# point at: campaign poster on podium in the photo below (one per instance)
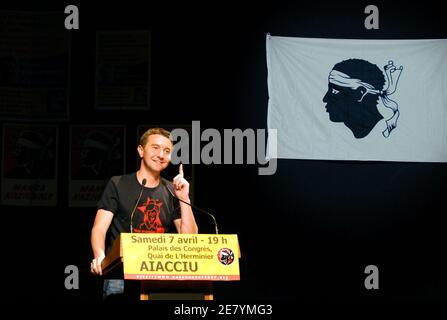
(153, 256)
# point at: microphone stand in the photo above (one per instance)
(136, 204)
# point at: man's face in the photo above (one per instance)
(156, 153)
(338, 100)
(89, 157)
(26, 152)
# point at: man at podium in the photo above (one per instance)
(141, 202)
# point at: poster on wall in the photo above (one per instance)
(29, 165)
(122, 80)
(34, 66)
(97, 152)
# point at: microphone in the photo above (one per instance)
(192, 206)
(136, 204)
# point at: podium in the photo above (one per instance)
(173, 266)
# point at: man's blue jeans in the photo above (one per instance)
(112, 287)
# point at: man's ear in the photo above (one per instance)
(360, 93)
(140, 150)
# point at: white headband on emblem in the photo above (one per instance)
(343, 80)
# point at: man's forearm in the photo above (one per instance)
(189, 224)
(98, 243)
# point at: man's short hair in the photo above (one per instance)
(160, 131)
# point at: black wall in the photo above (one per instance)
(306, 232)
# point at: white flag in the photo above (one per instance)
(343, 99)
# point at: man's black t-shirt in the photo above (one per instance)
(155, 212)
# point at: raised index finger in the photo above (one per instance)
(180, 169)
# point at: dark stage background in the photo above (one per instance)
(307, 232)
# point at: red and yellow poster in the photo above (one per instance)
(208, 257)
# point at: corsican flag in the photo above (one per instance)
(342, 99)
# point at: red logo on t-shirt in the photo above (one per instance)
(151, 217)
